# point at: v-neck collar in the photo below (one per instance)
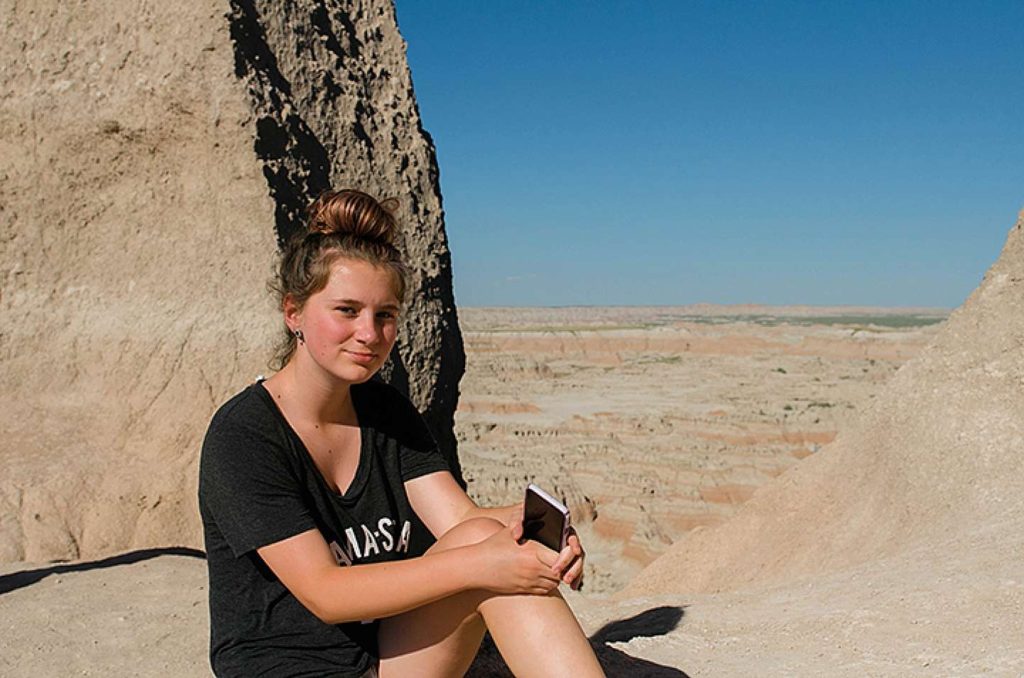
(355, 488)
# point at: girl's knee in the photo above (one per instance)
(468, 532)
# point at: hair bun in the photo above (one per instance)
(354, 213)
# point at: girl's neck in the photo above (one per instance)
(311, 397)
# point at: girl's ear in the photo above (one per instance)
(292, 313)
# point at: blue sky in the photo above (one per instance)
(607, 153)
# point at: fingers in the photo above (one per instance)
(544, 590)
(545, 555)
(573, 551)
(550, 582)
(565, 557)
(519, 568)
(548, 577)
(571, 560)
(574, 575)
(541, 561)
(565, 566)
(575, 545)
(543, 579)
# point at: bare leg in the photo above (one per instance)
(537, 635)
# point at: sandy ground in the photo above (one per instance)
(691, 412)
(112, 617)
(148, 618)
(913, 615)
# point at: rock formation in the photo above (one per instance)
(153, 156)
(932, 472)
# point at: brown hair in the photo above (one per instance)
(342, 224)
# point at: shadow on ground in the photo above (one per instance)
(654, 622)
(17, 580)
(650, 623)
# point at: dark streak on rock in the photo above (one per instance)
(295, 163)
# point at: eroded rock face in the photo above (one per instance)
(152, 157)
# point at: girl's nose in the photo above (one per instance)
(366, 328)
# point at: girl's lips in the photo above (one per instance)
(364, 358)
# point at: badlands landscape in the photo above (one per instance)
(650, 422)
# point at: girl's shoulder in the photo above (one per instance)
(247, 439)
(250, 405)
(249, 418)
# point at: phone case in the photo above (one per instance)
(545, 519)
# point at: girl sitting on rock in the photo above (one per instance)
(309, 481)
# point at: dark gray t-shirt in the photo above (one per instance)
(258, 485)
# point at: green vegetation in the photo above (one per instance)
(670, 359)
(864, 323)
(656, 360)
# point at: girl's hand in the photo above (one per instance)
(569, 565)
(503, 565)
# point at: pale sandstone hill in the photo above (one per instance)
(150, 157)
(935, 468)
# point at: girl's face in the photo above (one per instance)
(351, 324)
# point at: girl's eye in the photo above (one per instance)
(387, 315)
(347, 310)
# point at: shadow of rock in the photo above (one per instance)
(17, 580)
(654, 622)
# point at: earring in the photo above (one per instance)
(298, 335)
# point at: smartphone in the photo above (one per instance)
(545, 519)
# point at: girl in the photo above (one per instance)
(309, 481)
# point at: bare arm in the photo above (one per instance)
(336, 594)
